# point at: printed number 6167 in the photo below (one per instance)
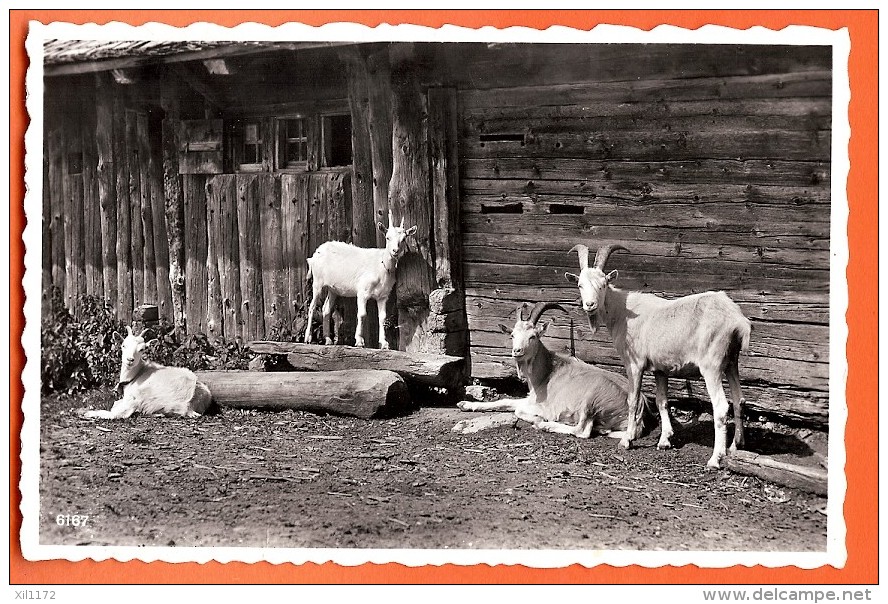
(71, 520)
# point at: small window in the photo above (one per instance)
(336, 137)
(247, 138)
(292, 148)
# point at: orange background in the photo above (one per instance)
(861, 515)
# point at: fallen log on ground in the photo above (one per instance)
(424, 369)
(361, 393)
(813, 480)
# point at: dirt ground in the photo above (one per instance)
(293, 479)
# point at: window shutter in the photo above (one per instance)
(200, 146)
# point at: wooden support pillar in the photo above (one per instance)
(121, 186)
(107, 185)
(409, 197)
(173, 200)
(380, 128)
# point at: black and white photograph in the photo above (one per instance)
(437, 296)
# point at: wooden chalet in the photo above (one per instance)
(199, 177)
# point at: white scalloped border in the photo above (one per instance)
(836, 552)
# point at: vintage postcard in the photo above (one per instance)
(422, 295)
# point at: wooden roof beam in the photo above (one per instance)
(235, 49)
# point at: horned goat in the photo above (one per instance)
(153, 388)
(567, 396)
(700, 334)
(342, 269)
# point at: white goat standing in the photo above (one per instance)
(153, 388)
(343, 269)
(701, 334)
(567, 396)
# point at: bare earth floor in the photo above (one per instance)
(292, 479)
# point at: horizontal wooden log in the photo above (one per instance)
(424, 369)
(361, 393)
(813, 480)
(660, 146)
(478, 65)
(702, 172)
(494, 119)
(742, 197)
(663, 241)
(699, 276)
(483, 246)
(717, 219)
(811, 84)
(647, 117)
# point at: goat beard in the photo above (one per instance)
(593, 321)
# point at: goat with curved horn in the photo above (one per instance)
(567, 396)
(540, 307)
(604, 253)
(583, 253)
(692, 336)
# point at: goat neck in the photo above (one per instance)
(128, 374)
(389, 262)
(613, 312)
(536, 368)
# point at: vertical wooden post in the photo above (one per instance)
(137, 248)
(74, 243)
(92, 229)
(173, 199)
(380, 128)
(363, 215)
(448, 323)
(409, 196)
(195, 198)
(158, 214)
(250, 235)
(273, 286)
(54, 150)
(107, 186)
(149, 256)
(294, 222)
(229, 267)
(215, 317)
(124, 233)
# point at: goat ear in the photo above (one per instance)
(504, 329)
(151, 342)
(541, 329)
(612, 276)
(381, 228)
(118, 339)
(411, 230)
(571, 277)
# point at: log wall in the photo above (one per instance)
(715, 176)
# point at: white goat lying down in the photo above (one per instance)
(701, 334)
(343, 269)
(152, 388)
(567, 396)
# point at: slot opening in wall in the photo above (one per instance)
(503, 137)
(506, 208)
(565, 208)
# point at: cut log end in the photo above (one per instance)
(812, 480)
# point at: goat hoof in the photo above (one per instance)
(662, 445)
(328, 342)
(713, 463)
(625, 443)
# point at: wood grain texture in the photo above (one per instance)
(363, 393)
(415, 367)
(813, 480)
(250, 250)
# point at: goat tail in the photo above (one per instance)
(742, 333)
